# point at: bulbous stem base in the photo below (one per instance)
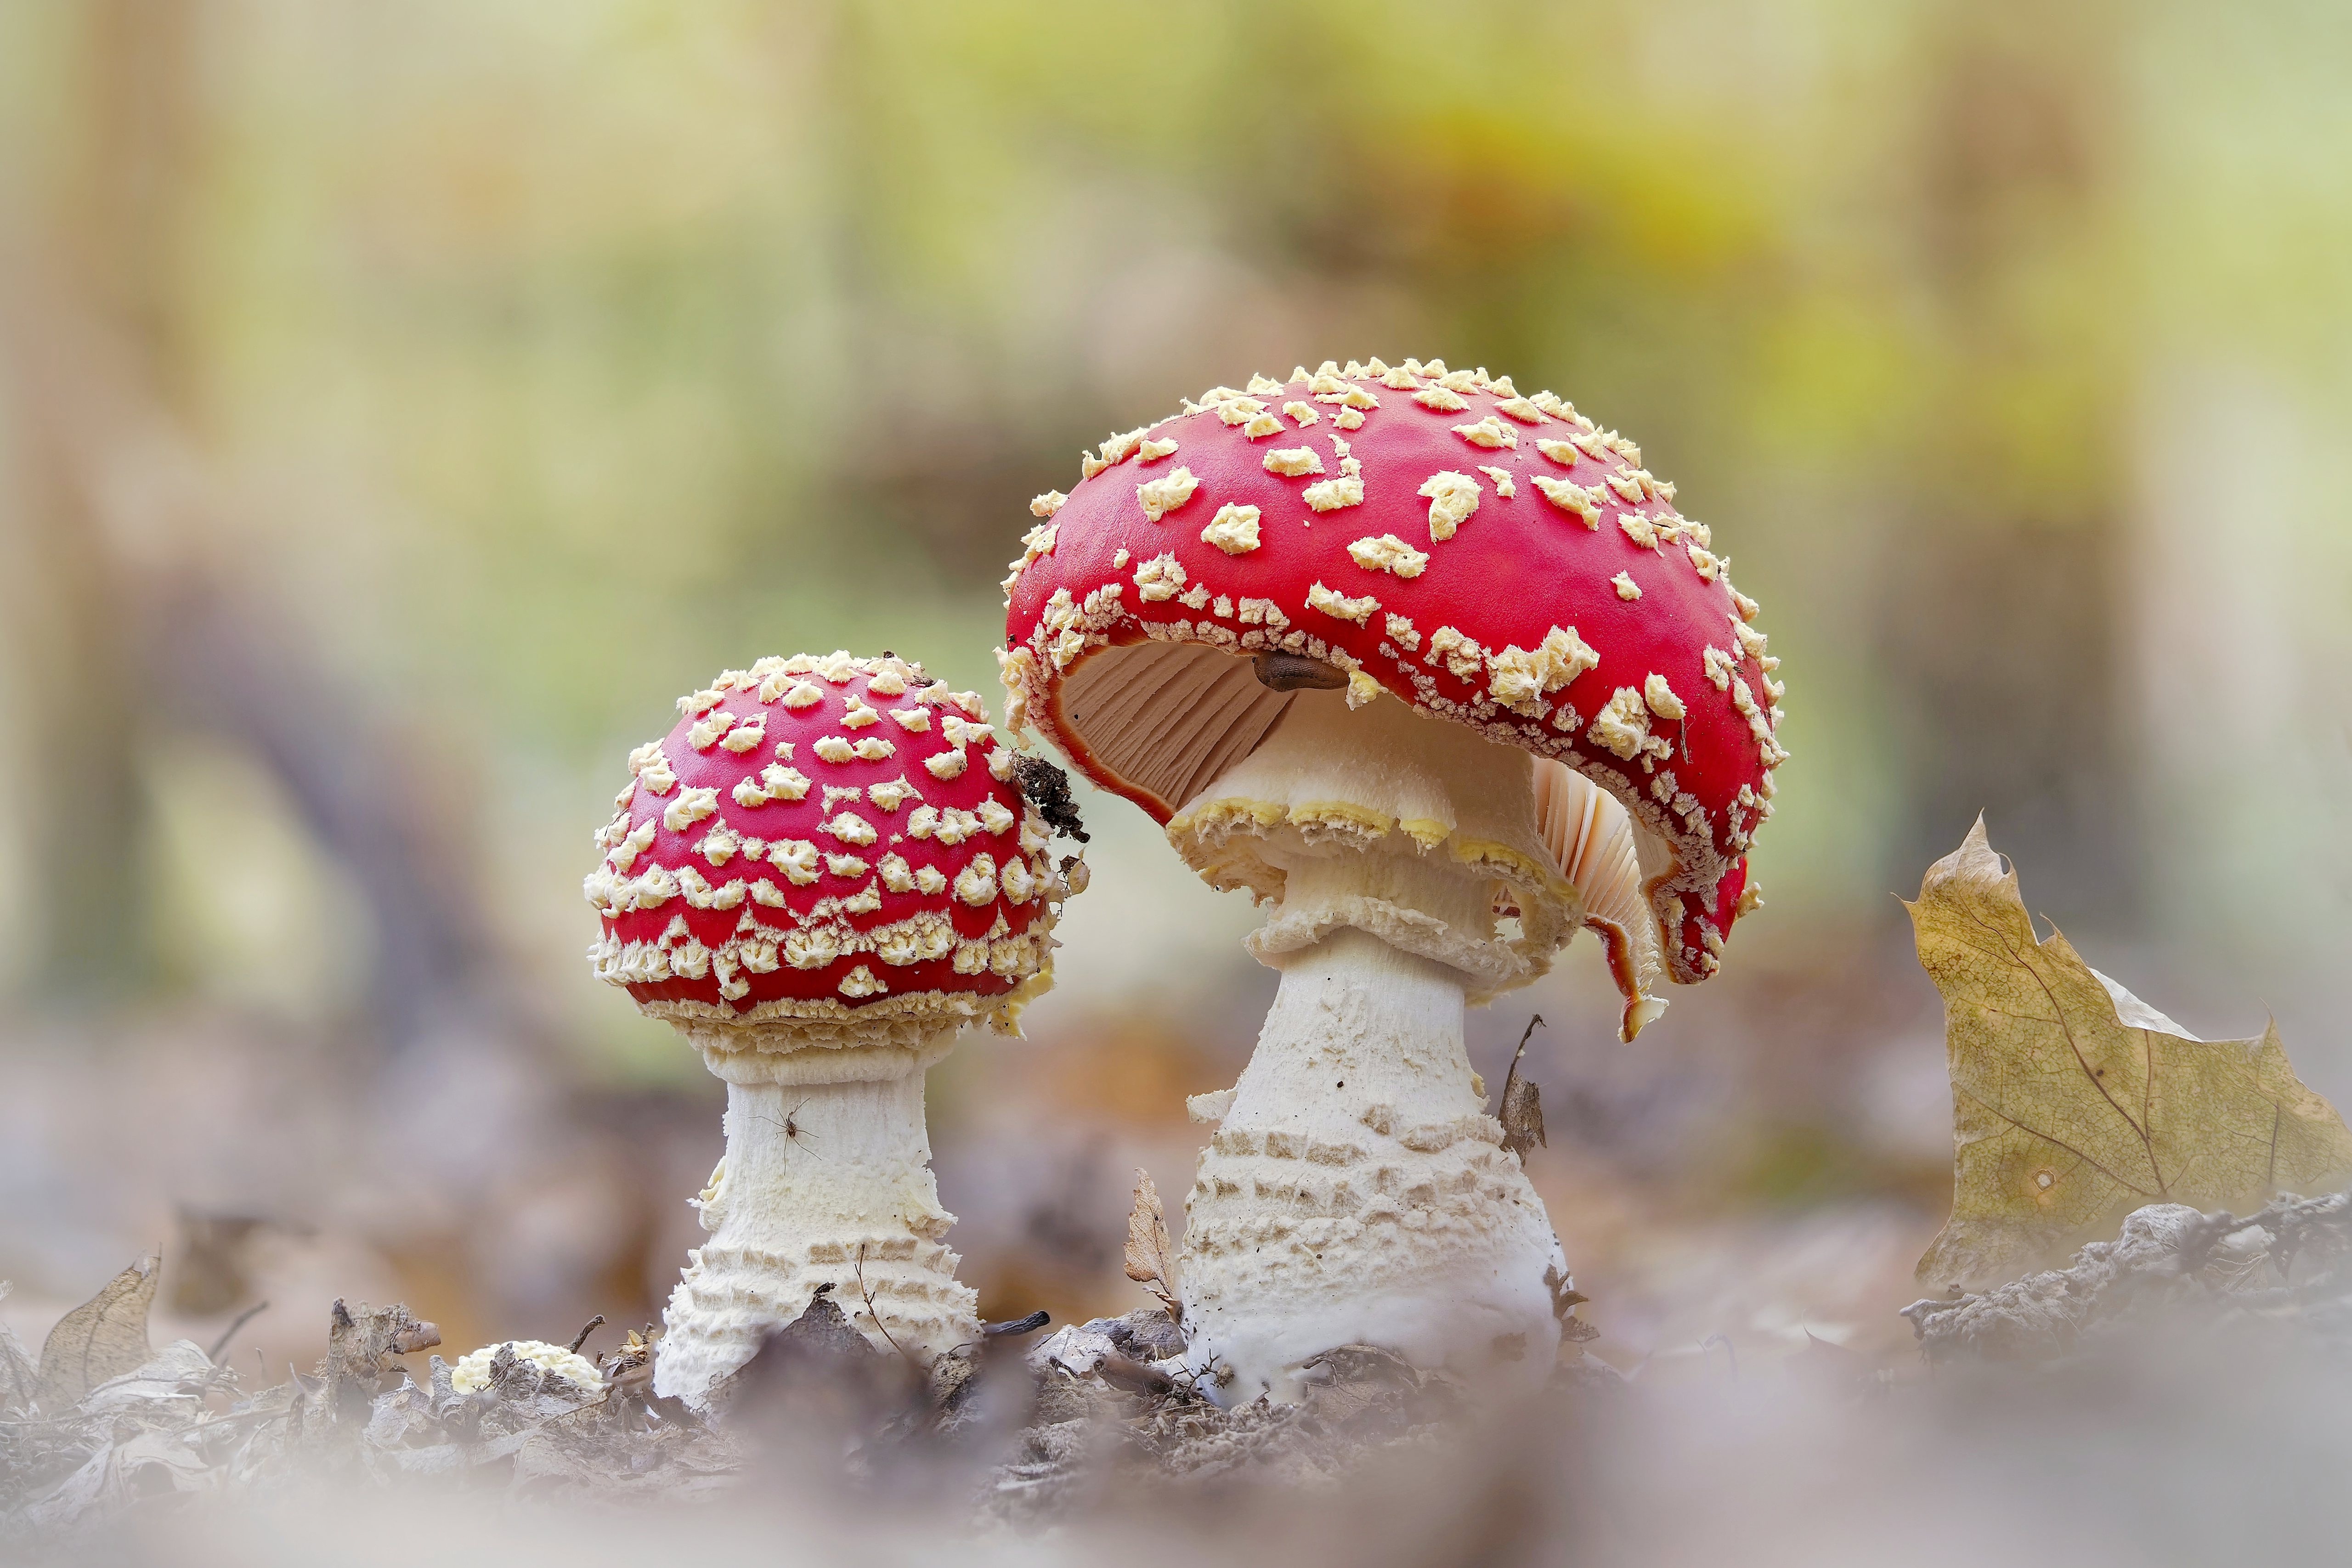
(1357, 1192)
(826, 1181)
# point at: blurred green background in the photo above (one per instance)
(403, 403)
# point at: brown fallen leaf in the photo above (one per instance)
(1150, 1258)
(629, 1374)
(104, 1337)
(2074, 1103)
(364, 1348)
(1522, 1109)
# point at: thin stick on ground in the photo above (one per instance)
(1014, 1327)
(866, 1295)
(229, 1333)
(591, 1326)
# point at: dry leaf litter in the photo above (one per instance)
(1100, 1419)
(103, 1422)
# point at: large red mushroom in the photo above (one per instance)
(1437, 671)
(818, 876)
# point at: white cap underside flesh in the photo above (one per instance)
(1168, 718)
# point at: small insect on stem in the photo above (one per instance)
(790, 1128)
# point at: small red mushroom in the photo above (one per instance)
(1580, 731)
(818, 876)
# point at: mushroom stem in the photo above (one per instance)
(1357, 1192)
(826, 1154)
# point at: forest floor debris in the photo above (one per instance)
(1090, 1422)
(2285, 1269)
(104, 1424)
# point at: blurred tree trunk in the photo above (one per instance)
(2006, 590)
(132, 618)
(117, 222)
(84, 835)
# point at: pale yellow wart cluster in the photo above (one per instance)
(774, 932)
(472, 1371)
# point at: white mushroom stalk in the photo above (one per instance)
(1357, 1191)
(826, 1181)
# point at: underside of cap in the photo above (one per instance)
(1163, 719)
(1599, 850)
(1388, 822)
(1169, 724)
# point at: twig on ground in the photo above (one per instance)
(858, 1271)
(1133, 1375)
(229, 1333)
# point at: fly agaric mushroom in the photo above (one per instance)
(821, 874)
(1436, 670)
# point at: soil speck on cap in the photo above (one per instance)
(1047, 788)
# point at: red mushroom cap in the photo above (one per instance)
(1486, 558)
(822, 837)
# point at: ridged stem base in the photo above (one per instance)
(1358, 1193)
(826, 1181)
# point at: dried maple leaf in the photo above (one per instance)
(104, 1337)
(2074, 1103)
(1150, 1259)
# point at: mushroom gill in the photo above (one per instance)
(1168, 717)
(1598, 845)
